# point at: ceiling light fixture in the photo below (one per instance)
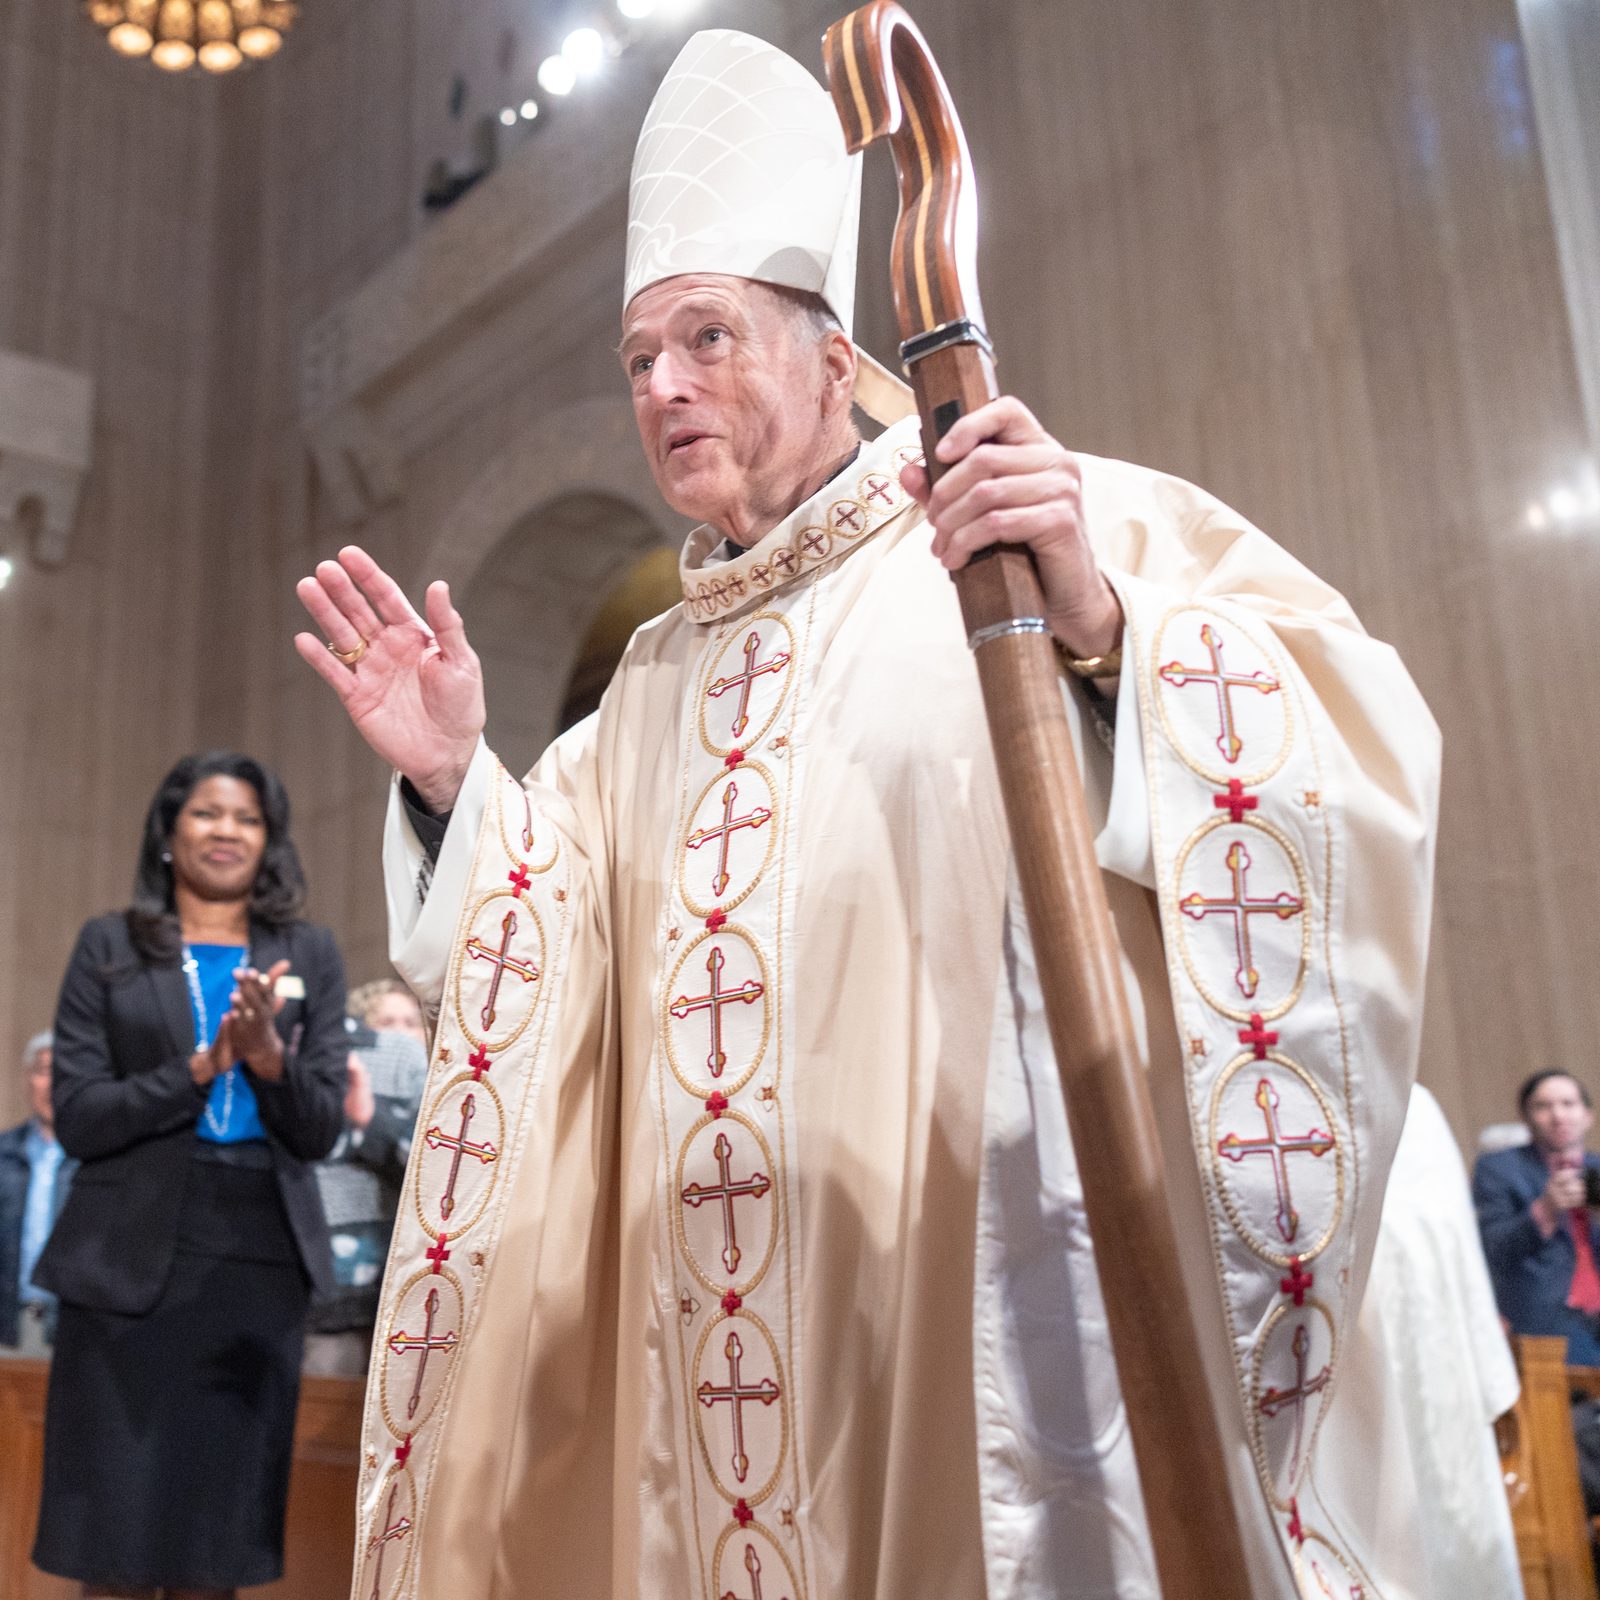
(216, 35)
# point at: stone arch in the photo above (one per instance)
(532, 550)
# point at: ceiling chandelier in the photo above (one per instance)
(217, 35)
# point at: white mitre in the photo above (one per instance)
(741, 168)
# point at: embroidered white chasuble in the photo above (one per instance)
(743, 1254)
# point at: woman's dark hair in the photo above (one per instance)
(280, 887)
(1525, 1093)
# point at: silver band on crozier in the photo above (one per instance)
(1003, 630)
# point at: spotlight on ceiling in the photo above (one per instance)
(556, 75)
(583, 50)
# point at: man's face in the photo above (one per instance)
(1556, 1115)
(39, 1086)
(727, 393)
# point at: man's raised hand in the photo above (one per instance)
(412, 686)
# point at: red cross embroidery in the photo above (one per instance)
(1224, 683)
(402, 1451)
(713, 1001)
(1278, 1149)
(1258, 1036)
(877, 487)
(727, 1191)
(1276, 1400)
(848, 515)
(735, 1394)
(520, 879)
(437, 1139)
(1296, 1532)
(426, 1342)
(1299, 1281)
(752, 1565)
(394, 1529)
(1235, 802)
(757, 817)
(479, 1062)
(503, 962)
(436, 1252)
(814, 543)
(1241, 908)
(760, 575)
(786, 561)
(745, 681)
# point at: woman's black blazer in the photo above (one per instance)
(127, 1108)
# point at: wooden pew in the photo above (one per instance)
(320, 1537)
(1539, 1460)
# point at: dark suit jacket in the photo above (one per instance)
(15, 1174)
(127, 1108)
(1532, 1275)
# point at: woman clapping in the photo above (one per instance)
(199, 1072)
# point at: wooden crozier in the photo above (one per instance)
(885, 83)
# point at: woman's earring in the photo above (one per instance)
(166, 855)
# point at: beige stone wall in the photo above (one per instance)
(106, 187)
(1301, 255)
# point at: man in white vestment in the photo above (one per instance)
(742, 1252)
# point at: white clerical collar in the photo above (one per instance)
(841, 516)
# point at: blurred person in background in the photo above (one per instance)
(1537, 1209)
(386, 1005)
(199, 1072)
(35, 1174)
(361, 1179)
(1537, 1225)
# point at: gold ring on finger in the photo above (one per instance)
(348, 657)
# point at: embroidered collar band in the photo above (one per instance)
(842, 515)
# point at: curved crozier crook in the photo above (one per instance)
(885, 83)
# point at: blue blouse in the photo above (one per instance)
(231, 1115)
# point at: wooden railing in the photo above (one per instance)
(1539, 1460)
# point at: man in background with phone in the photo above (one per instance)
(1536, 1208)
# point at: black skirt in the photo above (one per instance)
(168, 1436)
